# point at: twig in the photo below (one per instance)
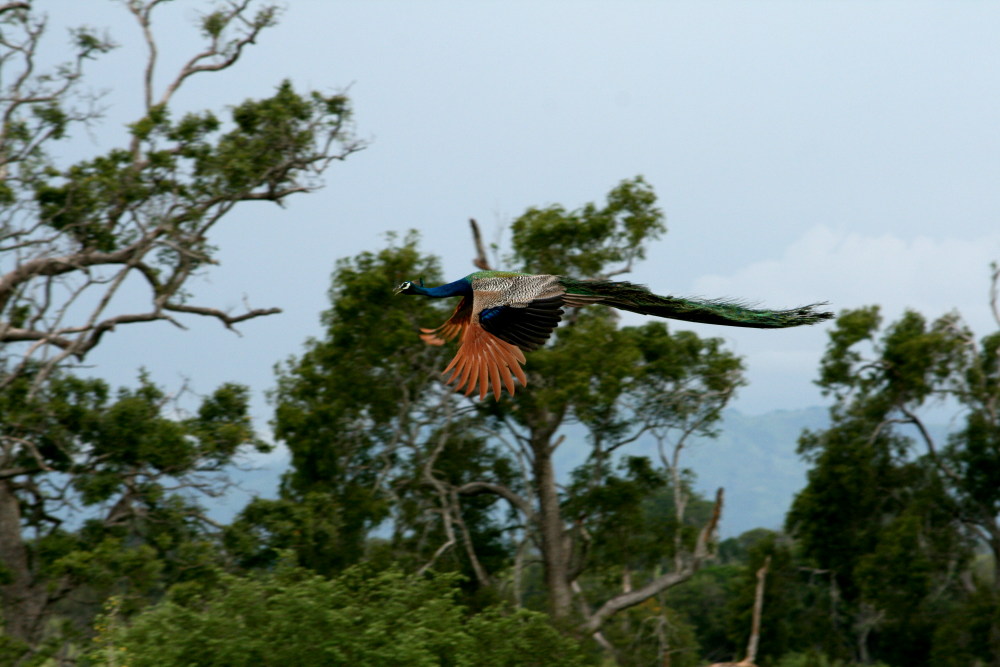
(480, 260)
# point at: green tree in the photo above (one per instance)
(74, 238)
(370, 423)
(892, 513)
(620, 384)
(359, 618)
(374, 438)
(141, 215)
(129, 466)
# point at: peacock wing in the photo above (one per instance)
(526, 325)
(485, 361)
(452, 327)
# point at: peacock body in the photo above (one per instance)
(503, 313)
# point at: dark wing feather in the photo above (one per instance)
(527, 326)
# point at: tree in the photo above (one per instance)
(129, 467)
(73, 239)
(74, 236)
(620, 384)
(367, 419)
(894, 514)
(362, 414)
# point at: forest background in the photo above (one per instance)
(112, 199)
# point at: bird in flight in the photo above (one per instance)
(503, 313)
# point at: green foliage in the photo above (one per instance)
(360, 411)
(653, 633)
(99, 489)
(292, 617)
(968, 631)
(372, 428)
(887, 510)
(121, 459)
(818, 659)
(701, 604)
(197, 160)
(632, 515)
(585, 241)
(339, 400)
(309, 527)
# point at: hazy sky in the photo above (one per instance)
(802, 151)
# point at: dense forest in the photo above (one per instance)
(416, 525)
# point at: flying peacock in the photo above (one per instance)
(503, 313)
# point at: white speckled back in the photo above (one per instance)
(513, 290)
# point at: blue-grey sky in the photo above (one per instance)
(802, 151)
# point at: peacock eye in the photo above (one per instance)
(406, 285)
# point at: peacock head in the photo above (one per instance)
(408, 287)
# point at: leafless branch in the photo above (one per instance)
(225, 318)
(913, 418)
(444, 494)
(14, 5)
(585, 612)
(9, 473)
(447, 544)
(482, 577)
(995, 291)
(480, 260)
(516, 501)
(690, 565)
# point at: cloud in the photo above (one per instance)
(931, 275)
(849, 269)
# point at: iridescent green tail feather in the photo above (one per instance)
(637, 299)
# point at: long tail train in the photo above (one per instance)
(638, 299)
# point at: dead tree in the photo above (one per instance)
(758, 606)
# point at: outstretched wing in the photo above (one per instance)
(526, 325)
(452, 327)
(492, 343)
(486, 361)
(496, 324)
(482, 359)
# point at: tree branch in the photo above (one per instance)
(479, 488)
(226, 319)
(912, 418)
(14, 5)
(995, 291)
(691, 565)
(480, 260)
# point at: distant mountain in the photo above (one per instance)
(753, 458)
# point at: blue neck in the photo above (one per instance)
(460, 287)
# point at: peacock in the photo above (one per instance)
(502, 314)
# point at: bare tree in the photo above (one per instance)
(758, 606)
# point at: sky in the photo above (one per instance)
(846, 152)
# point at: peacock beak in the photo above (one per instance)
(398, 289)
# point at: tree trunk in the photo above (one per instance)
(555, 551)
(23, 602)
(994, 638)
